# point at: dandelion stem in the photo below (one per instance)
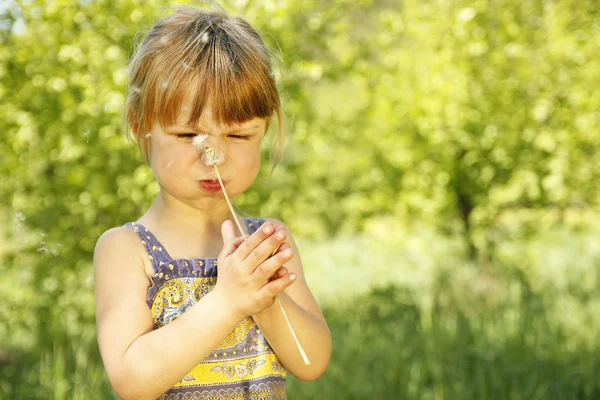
(300, 349)
(212, 155)
(237, 221)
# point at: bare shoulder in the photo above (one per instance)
(119, 240)
(121, 286)
(118, 265)
(118, 244)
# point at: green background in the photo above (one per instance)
(441, 177)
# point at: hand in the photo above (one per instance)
(251, 271)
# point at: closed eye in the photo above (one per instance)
(192, 135)
(186, 135)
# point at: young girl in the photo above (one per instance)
(185, 304)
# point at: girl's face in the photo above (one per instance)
(178, 165)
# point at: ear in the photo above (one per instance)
(134, 130)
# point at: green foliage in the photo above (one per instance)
(452, 114)
(431, 325)
(467, 123)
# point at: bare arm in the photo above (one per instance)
(143, 363)
(306, 318)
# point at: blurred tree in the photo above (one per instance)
(453, 114)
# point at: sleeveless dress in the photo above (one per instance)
(243, 366)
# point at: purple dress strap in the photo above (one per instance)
(156, 251)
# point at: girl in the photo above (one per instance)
(167, 327)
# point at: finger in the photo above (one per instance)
(276, 286)
(227, 231)
(255, 239)
(280, 273)
(230, 247)
(265, 249)
(230, 241)
(268, 268)
(282, 247)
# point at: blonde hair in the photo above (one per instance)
(223, 57)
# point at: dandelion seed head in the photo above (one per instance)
(211, 158)
(219, 160)
(199, 140)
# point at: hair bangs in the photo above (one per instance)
(239, 85)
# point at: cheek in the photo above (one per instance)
(249, 156)
(172, 159)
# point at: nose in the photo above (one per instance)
(211, 158)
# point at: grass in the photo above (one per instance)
(410, 321)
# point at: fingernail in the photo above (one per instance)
(280, 235)
(292, 277)
(287, 252)
(268, 229)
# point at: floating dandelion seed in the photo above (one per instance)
(86, 135)
(45, 247)
(147, 135)
(199, 142)
(185, 65)
(164, 85)
(42, 247)
(204, 38)
(19, 218)
(164, 40)
(185, 108)
(136, 89)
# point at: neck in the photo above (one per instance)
(170, 214)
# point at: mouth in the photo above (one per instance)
(211, 185)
